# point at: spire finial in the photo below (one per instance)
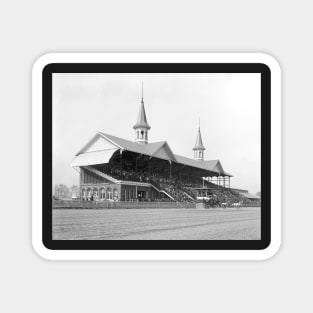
(141, 91)
(199, 122)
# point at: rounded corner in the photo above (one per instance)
(270, 61)
(271, 250)
(41, 63)
(42, 250)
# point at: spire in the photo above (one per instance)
(199, 145)
(142, 119)
(141, 127)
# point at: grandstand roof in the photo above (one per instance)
(156, 149)
(92, 152)
(192, 162)
(250, 195)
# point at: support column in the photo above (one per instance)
(80, 183)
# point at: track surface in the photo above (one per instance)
(155, 224)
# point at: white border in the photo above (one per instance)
(155, 58)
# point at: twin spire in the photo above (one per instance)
(142, 127)
(199, 147)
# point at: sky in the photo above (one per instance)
(228, 105)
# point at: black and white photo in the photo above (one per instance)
(156, 156)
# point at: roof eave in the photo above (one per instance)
(198, 148)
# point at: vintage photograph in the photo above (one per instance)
(156, 156)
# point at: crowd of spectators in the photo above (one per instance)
(173, 185)
(224, 195)
(170, 185)
(122, 174)
(176, 191)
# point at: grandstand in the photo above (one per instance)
(115, 169)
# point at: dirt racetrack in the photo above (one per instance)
(155, 224)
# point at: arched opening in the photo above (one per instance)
(102, 194)
(115, 194)
(88, 194)
(95, 194)
(109, 193)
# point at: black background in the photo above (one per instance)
(156, 68)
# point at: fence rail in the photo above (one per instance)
(79, 204)
(63, 204)
(251, 205)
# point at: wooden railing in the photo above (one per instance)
(78, 204)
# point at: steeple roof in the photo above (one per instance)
(199, 144)
(142, 119)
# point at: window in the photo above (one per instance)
(102, 194)
(89, 193)
(115, 194)
(109, 194)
